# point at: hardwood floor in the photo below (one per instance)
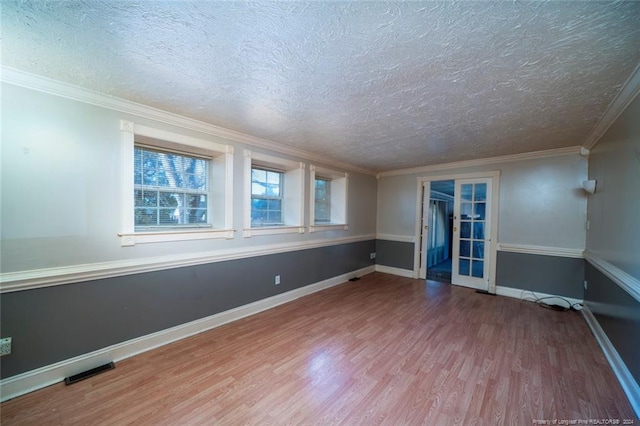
(382, 350)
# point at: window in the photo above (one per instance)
(329, 199)
(170, 189)
(322, 196)
(274, 194)
(174, 187)
(266, 197)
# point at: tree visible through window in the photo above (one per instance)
(170, 189)
(322, 205)
(266, 197)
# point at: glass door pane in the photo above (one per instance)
(472, 217)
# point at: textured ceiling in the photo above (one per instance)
(381, 85)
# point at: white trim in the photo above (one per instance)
(161, 236)
(338, 204)
(617, 311)
(272, 230)
(624, 376)
(76, 93)
(630, 284)
(221, 156)
(36, 379)
(487, 281)
(628, 93)
(494, 175)
(495, 213)
(407, 273)
(541, 250)
(418, 236)
(229, 187)
(454, 176)
(27, 280)
(293, 200)
(422, 229)
(530, 296)
(175, 138)
(127, 216)
(393, 237)
(572, 150)
(329, 227)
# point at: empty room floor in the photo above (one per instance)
(381, 350)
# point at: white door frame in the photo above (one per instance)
(426, 231)
(495, 189)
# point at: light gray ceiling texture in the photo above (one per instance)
(381, 85)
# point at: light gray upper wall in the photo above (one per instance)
(541, 201)
(60, 182)
(614, 210)
(397, 205)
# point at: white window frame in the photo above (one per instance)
(280, 197)
(293, 190)
(326, 201)
(220, 185)
(339, 199)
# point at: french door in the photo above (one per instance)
(472, 233)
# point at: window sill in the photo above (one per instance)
(328, 227)
(161, 236)
(272, 230)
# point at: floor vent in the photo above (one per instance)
(89, 373)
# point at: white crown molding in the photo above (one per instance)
(628, 93)
(46, 85)
(630, 284)
(407, 273)
(27, 280)
(36, 379)
(624, 376)
(399, 238)
(541, 250)
(571, 150)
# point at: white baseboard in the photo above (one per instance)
(517, 293)
(407, 273)
(628, 383)
(21, 384)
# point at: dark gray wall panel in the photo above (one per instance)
(618, 313)
(396, 254)
(562, 276)
(56, 323)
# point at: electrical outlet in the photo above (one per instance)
(277, 279)
(5, 346)
(372, 256)
(585, 284)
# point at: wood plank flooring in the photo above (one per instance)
(382, 350)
